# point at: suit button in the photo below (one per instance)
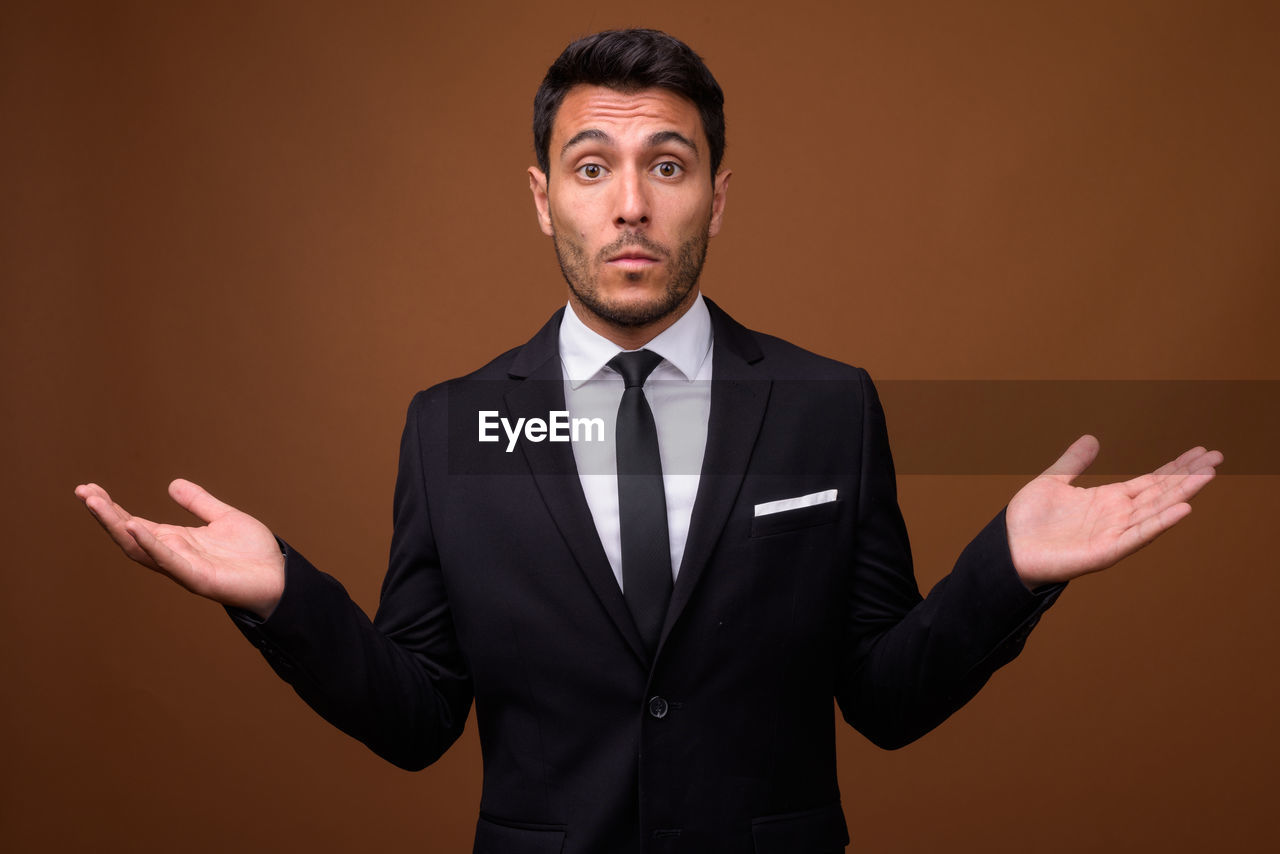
(658, 707)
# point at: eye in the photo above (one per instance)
(668, 169)
(591, 171)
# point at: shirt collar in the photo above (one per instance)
(685, 344)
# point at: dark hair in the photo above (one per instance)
(630, 60)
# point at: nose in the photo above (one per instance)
(632, 200)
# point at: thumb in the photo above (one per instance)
(1074, 460)
(197, 501)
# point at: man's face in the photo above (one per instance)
(630, 204)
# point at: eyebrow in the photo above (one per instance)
(654, 140)
(665, 136)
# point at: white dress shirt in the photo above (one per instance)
(679, 393)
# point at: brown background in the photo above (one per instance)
(237, 236)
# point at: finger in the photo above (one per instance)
(1210, 460)
(197, 501)
(1168, 501)
(163, 558)
(1181, 463)
(1074, 460)
(108, 514)
(1193, 474)
(1151, 527)
(1169, 476)
(1160, 478)
(112, 517)
(95, 496)
(1193, 483)
(1190, 461)
(115, 524)
(87, 491)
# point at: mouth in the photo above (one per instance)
(633, 259)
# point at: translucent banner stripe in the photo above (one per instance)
(936, 427)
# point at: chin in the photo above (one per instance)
(641, 311)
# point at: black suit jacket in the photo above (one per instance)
(499, 590)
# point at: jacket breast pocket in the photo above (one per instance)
(816, 831)
(497, 837)
(791, 520)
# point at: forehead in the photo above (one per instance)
(623, 114)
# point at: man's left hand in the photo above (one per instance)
(1058, 531)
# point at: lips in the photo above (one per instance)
(633, 250)
(633, 256)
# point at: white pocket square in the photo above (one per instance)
(824, 497)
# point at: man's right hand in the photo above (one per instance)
(233, 559)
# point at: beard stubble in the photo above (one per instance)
(582, 277)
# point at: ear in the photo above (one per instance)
(720, 188)
(538, 186)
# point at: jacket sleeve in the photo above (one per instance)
(397, 683)
(908, 662)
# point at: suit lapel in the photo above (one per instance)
(540, 390)
(739, 395)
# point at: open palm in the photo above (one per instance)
(1058, 531)
(232, 559)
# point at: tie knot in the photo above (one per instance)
(635, 366)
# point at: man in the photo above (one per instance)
(652, 636)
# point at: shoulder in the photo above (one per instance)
(539, 357)
(486, 382)
(806, 383)
(776, 357)
(805, 364)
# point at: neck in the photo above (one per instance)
(630, 337)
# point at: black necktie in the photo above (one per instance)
(642, 504)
